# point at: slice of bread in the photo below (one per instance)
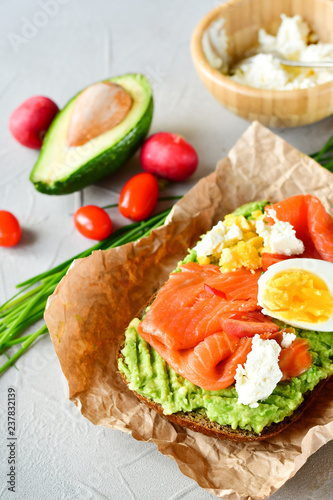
(196, 421)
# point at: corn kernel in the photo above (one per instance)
(203, 260)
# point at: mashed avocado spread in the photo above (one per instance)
(148, 374)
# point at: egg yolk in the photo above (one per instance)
(298, 295)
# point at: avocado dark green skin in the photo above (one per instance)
(104, 164)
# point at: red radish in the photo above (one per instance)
(31, 120)
(10, 229)
(168, 156)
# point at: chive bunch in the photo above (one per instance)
(27, 307)
(325, 155)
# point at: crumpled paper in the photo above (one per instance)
(93, 304)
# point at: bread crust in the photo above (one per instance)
(199, 423)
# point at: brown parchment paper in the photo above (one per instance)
(95, 301)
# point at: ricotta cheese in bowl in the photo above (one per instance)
(294, 41)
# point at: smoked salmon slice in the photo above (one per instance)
(293, 360)
(184, 312)
(183, 323)
(320, 225)
(247, 324)
(296, 359)
(268, 259)
(212, 364)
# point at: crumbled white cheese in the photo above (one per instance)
(212, 242)
(261, 372)
(287, 339)
(292, 36)
(279, 238)
(292, 41)
(262, 71)
(266, 40)
(319, 52)
(234, 233)
(215, 46)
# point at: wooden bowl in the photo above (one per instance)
(243, 19)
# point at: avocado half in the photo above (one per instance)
(61, 169)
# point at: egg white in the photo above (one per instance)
(320, 268)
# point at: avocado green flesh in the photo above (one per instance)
(247, 209)
(61, 169)
(148, 374)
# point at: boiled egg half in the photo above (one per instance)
(299, 292)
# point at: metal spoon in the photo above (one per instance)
(286, 62)
(301, 64)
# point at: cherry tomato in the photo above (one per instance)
(30, 121)
(168, 156)
(10, 229)
(93, 222)
(138, 197)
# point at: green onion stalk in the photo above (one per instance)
(325, 155)
(27, 306)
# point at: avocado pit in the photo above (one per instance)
(98, 109)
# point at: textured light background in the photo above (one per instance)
(55, 48)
